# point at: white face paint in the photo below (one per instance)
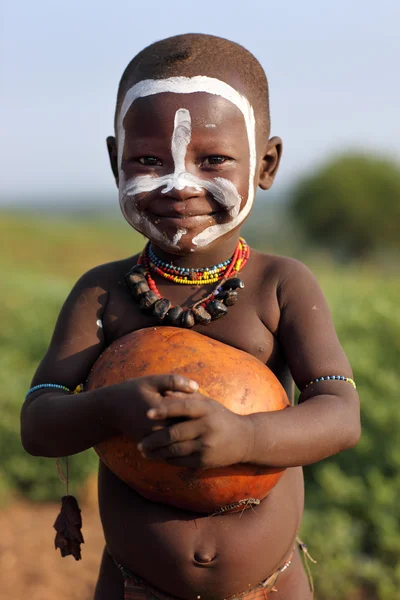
(223, 190)
(179, 233)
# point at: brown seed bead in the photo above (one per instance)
(201, 315)
(147, 300)
(233, 283)
(174, 316)
(187, 319)
(161, 307)
(138, 269)
(216, 309)
(139, 289)
(134, 278)
(228, 297)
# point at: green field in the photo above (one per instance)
(352, 521)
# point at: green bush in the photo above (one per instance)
(351, 205)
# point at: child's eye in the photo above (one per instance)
(216, 159)
(149, 161)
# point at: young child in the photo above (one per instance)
(191, 146)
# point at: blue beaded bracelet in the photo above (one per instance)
(330, 377)
(41, 386)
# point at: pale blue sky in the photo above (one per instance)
(333, 68)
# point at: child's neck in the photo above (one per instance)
(218, 252)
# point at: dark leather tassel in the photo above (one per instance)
(68, 526)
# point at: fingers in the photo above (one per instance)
(180, 432)
(190, 407)
(175, 453)
(177, 383)
(159, 425)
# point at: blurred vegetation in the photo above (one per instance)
(352, 519)
(351, 206)
(351, 523)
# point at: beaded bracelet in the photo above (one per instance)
(330, 377)
(41, 386)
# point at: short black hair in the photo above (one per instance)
(194, 54)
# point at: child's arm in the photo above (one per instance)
(325, 422)
(327, 418)
(55, 423)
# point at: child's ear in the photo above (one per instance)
(113, 154)
(270, 163)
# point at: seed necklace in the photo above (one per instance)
(214, 306)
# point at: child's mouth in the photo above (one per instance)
(186, 220)
(183, 214)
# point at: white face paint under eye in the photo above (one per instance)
(223, 190)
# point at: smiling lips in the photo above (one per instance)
(181, 210)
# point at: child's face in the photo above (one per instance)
(186, 164)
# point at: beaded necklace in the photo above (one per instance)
(185, 275)
(212, 307)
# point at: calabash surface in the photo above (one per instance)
(239, 381)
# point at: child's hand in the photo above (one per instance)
(133, 398)
(209, 436)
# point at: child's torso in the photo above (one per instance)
(166, 546)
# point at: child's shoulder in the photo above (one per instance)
(281, 270)
(106, 275)
(95, 287)
(286, 283)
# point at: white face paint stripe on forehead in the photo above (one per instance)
(189, 85)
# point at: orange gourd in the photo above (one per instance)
(238, 380)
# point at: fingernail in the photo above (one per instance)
(151, 413)
(193, 385)
(140, 447)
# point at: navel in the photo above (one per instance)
(204, 557)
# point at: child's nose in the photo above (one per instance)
(184, 193)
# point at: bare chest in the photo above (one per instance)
(249, 325)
